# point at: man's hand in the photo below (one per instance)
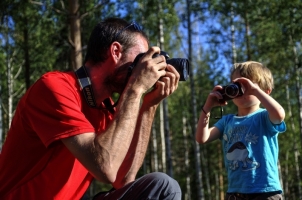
(164, 87)
(148, 70)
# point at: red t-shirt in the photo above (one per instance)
(34, 163)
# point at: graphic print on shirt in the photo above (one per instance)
(237, 151)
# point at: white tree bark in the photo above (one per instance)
(75, 34)
(197, 153)
(187, 195)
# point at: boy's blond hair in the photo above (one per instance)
(256, 72)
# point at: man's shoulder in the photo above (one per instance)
(53, 84)
(58, 75)
(56, 80)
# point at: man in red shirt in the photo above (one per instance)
(65, 131)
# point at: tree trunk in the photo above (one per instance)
(154, 158)
(9, 81)
(247, 35)
(75, 34)
(162, 139)
(167, 139)
(199, 186)
(299, 96)
(298, 86)
(10, 92)
(206, 172)
(26, 52)
(295, 145)
(286, 174)
(165, 130)
(217, 192)
(165, 106)
(187, 193)
(220, 167)
(234, 56)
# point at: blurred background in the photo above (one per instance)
(41, 36)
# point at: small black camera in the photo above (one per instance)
(231, 91)
(180, 64)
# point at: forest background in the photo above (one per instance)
(41, 36)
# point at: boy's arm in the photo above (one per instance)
(204, 134)
(275, 110)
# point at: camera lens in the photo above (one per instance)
(182, 67)
(180, 64)
(232, 90)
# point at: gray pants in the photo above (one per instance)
(153, 186)
(255, 196)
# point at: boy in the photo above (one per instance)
(249, 138)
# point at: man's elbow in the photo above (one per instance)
(110, 176)
(106, 175)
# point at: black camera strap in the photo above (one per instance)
(87, 91)
(85, 84)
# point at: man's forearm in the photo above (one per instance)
(137, 151)
(113, 144)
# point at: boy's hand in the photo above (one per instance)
(214, 97)
(248, 86)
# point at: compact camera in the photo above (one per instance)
(231, 91)
(180, 64)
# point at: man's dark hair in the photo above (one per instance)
(106, 32)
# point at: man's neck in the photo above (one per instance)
(97, 75)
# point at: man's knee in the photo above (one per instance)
(163, 178)
(155, 186)
(164, 183)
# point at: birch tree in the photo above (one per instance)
(199, 184)
(75, 34)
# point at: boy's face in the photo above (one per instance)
(246, 100)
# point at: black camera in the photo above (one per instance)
(180, 64)
(231, 91)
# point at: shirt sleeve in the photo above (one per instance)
(275, 128)
(53, 109)
(221, 125)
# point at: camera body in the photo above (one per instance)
(231, 91)
(180, 64)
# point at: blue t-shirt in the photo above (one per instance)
(250, 148)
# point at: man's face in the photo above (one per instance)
(119, 77)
